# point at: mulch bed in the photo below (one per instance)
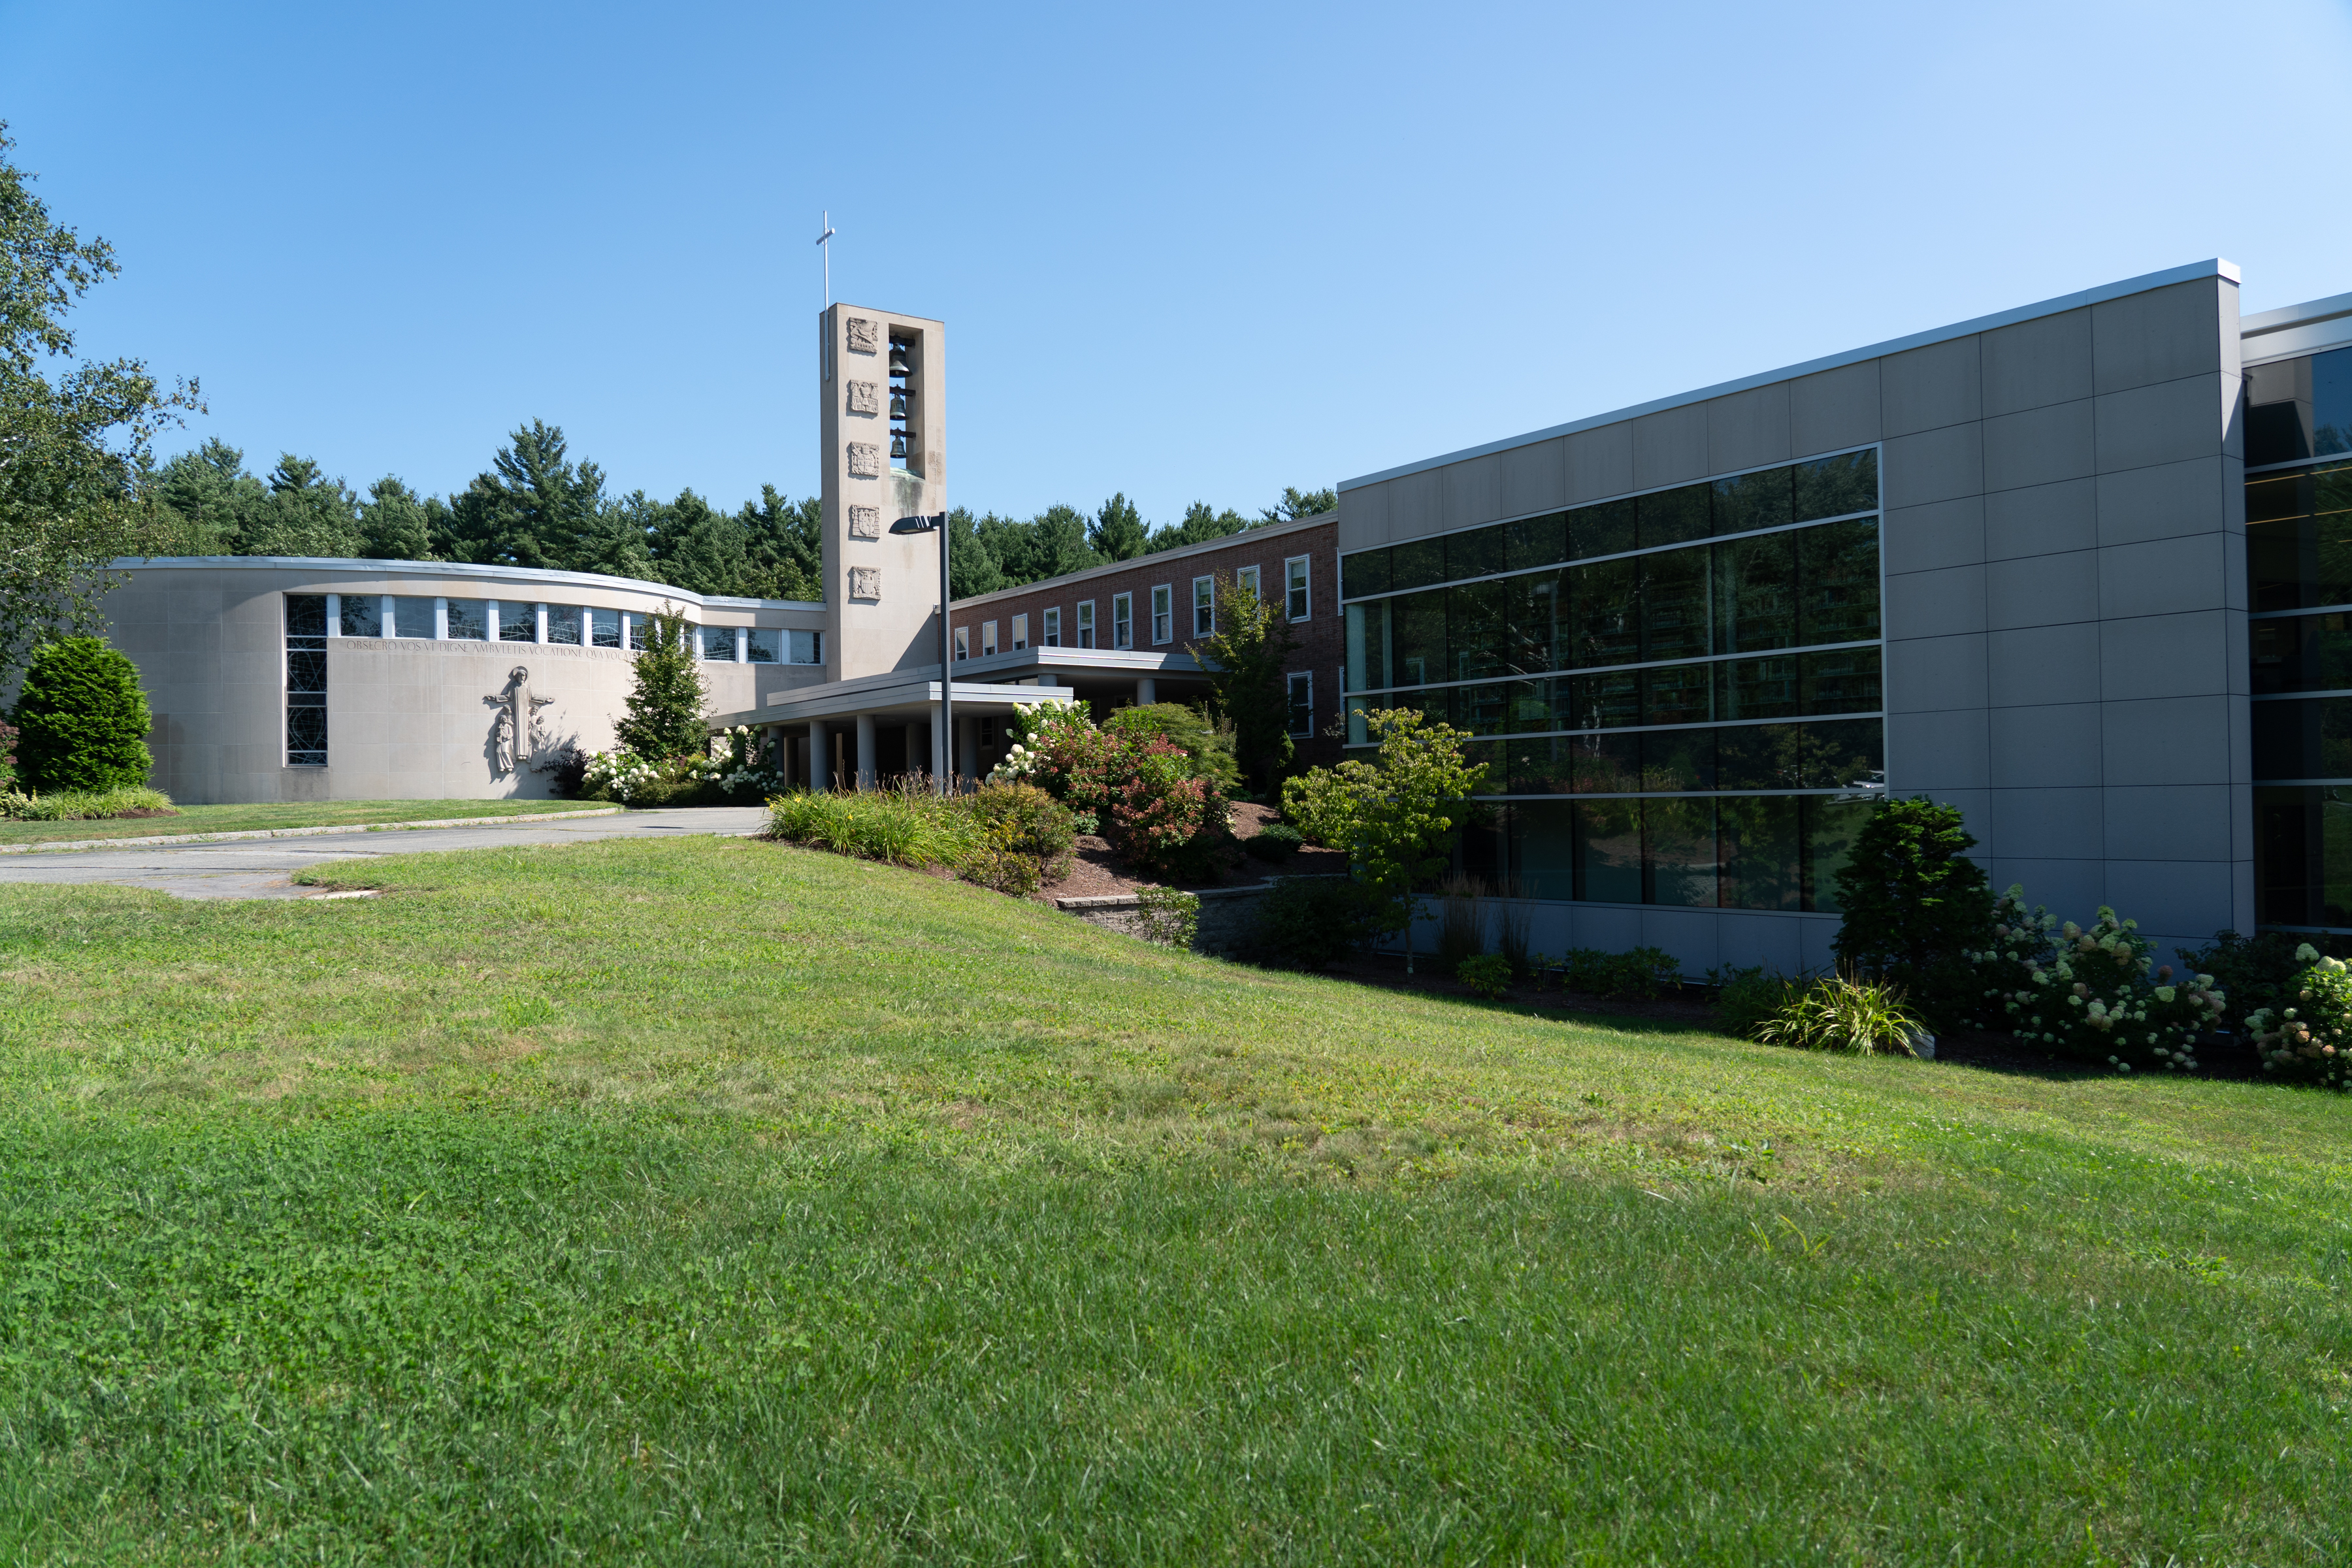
(1094, 873)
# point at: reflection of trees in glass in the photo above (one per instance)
(1678, 760)
(1417, 636)
(1607, 613)
(1847, 753)
(1757, 687)
(1674, 619)
(1535, 610)
(2335, 759)
(1608, 851)
(1756, 593)
(1830, 825)
(1678, 860)
(1837, 574)
(2336, 856)
(1835, 485)
(1605, 764)
(1678, 694)
(1760, 843)
(1474, 638)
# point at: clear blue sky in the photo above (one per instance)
(1195, 252)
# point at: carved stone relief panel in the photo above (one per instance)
(865, 582)
(864, 336)
(866, 522)
(865, 397)
(864, 461)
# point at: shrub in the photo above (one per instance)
(1321, 801)
(2305, 1040)
(1144, 793)
(1274, 843)
(1209, 744)
(1023, 840)
(1514, 927)
(85, 806)
(81, 720)
(2257, 971)
(1310, 922)
(1490, 974)
(1746, 998)
(2090, 993)
(7, 756)
(1638, 975)
(1167, 917)
(1460, 922)
(1843, 1012)
(730, 774)
(1916, 906)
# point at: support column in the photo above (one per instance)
(917, 762)
(1147, 692)
(967, 746)
(865, 751)
(820, 757)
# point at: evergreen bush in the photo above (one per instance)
(1915, 908)
(82, 720)
(665, 718)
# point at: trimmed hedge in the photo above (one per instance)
(81, 718)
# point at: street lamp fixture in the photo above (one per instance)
(937, 522)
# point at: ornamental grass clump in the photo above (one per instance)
(1846, 1013)
(898, 827)
(2309, 1041)
(2096, 994)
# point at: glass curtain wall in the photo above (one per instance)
(2299, 587)
(1676, 696)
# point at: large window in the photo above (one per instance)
(1293, 574)
(2299, 588)
(1697, 670)
(1122, 620)
(306, 680)
(1086, 623)
(719, 643)
(1204, 607)
(1163, 614)
(517, 622)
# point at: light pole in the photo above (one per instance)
(938, 523)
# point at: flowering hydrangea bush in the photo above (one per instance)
(2308, 1041)
(2094, 993)
(1148, 795)
(728, 774)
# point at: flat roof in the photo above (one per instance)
(2215, 268)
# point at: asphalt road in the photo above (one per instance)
(265, 868)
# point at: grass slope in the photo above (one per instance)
(712, 1201)
(242, 818)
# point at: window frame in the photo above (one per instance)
(1122, 620)
(1049, 626)
(1298, 587)
(988, 639)
(1254, 576)
(1163, 614)
(1290, 692)
(1021, 632)
(962, 643)
(1086, 625)
(1209, 605)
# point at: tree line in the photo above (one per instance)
(537, 506)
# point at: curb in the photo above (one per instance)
(300, 832)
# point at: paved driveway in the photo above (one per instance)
(264, 868)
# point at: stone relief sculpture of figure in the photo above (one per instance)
(517, 735)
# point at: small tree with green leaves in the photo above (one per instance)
(1399, 821)
(1916, 906)
(82, 718)
(665, 708)
(1247, 655)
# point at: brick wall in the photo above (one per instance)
(1321, 647)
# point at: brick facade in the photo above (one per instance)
(1321, 645)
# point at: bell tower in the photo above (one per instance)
(881, 385)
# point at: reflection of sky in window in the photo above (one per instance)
(2331, 403)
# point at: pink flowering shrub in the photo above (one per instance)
(1149, 796)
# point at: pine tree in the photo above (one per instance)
(1117, 532)
(1914, 905)
(665, 717)
(392, 523)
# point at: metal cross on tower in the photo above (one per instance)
(823, 243)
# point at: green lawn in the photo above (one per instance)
(241, 819)
(713, 1201)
